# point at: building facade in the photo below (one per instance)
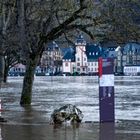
(51, 60)
(68, 62)
(83, 59)
(131, 70)
(17, 70)
(129, 55)
(80, 55)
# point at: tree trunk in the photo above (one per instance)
(1, 68)
(26, 95)
(4, 21)
(5, 74)
(21, 27)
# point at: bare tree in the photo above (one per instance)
(11, 58)
(43, 21)
(6, 11)
(123, 18)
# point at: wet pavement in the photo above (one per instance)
(49, 93)
(94, 131)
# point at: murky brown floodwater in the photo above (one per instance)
(49, 93)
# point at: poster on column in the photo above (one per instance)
(106, 80)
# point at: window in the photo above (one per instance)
(66, 64)
(96, 53)
(84, 59)
(83, 69)
(89, 53)
(78, 69)
(78, 64)
(78, 59)
(93, 53)
(96, 63)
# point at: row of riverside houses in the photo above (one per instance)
(50, 63)
(128, 59)
(82, 59)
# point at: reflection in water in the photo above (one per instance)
(68, 132)
(0, 134)
(27, 114)
(107, 131)
(40, 132)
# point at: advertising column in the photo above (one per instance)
(106, 89)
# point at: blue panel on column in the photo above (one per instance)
(106, 103)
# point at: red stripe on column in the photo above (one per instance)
(100, 62)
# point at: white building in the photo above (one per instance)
(68, 64)
(83, 59)
(18, 69)
(131, 70)
(80, 56)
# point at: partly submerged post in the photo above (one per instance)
(106, 89)
(1, 118)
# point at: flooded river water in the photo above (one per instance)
(49, 93)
